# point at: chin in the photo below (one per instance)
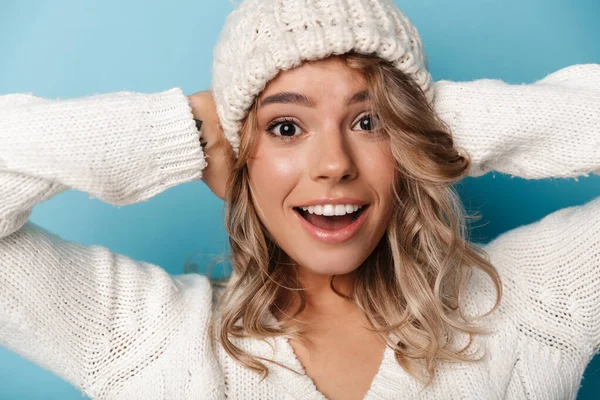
(328, 271)
(327, 266)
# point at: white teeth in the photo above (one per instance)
(328, 210)
(331, 210)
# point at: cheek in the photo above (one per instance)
(272, 178)
(379, 168)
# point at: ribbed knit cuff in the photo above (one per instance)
(176, 139)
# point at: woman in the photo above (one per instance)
(352, 276)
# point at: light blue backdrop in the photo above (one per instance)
(67, 48)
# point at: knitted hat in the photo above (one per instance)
(263, 37)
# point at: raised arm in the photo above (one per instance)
(121, 148)
(550, 273)
(550, 269)
(550, 128)
(97, 319)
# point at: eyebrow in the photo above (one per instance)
(300, 99)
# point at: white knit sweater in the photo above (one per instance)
(122, 329)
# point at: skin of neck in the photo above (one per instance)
(322, 302)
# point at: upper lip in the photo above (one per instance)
(333, 201)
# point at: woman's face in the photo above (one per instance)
(316, 160)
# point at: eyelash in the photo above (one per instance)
(284, 120)
(278, 122)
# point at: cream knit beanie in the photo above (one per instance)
(262, 37)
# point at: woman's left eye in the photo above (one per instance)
(366, 123)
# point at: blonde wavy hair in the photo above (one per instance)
(411, 285)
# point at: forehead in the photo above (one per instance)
(330, 77)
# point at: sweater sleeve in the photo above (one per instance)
(122, 148)
(550, 128)
(550, 269)
(550, 272)
(92, 317)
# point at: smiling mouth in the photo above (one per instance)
(330, 222)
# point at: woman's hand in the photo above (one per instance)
(219, 154)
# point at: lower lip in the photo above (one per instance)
(334, 237)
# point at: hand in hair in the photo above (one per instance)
(219, 154)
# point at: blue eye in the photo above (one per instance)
(286, 128)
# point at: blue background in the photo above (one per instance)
(68, 48)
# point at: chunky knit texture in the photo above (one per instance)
(263, 37)
(122, 329)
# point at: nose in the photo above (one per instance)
(332, 158)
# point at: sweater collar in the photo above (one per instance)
(301, 386)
